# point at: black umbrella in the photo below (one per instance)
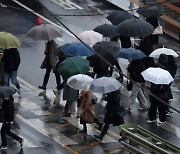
(119, 16)
(6, 91)
(152, 11)
(135, 28)
(104, 47)
(107, 30)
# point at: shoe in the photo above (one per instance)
(83, 131)
(99, 137)
(21, 142)
(142, 108)
(3, 147)
(42, 87)
(169, 113)
(160, 122)
(151, 121)
(19, 92)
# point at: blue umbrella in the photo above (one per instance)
(131, 53)
(77, 49)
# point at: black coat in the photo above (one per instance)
(8, 110)
(11, 59)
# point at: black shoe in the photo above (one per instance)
(83, 131)
(20, 142)
(42, 87)
(99, 137)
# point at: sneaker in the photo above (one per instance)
(99, 137)
(142, 108)
(168, 113)
(3, 147)
(160, 122)
(42, 87)
(21, 142)
(151, 121)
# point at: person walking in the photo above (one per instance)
(11, 60)
(87, 111)
(114, 112)
(1, 69)
(8, 111)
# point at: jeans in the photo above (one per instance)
(6, 129)
(13, 77)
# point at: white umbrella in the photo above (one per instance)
(80, 82)
(44, 32)
(105, 85)
(157, 75)
(157, 52)
(90, 37)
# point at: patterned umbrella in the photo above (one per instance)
(157, 75)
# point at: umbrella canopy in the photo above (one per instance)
(135, 28)
(105, 85)
(72, 66)
(152, 11)
(80, 82)
(90, 37)
(44, 32)
(156, 53)
(107, 30)
(119, 16)
(131, 53)
(77, 49)
(8, 41)
(157, 75)
(104, 47)
(6, 91)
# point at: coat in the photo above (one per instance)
(11, 60)
(87, 108)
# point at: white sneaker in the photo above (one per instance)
(151, 121)
(160, 122)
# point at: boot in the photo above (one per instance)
(43, 94)
(57, 98)
(103, 132)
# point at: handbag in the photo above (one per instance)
(158, 30)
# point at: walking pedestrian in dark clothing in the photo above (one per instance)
(8, 111)
(114, 112)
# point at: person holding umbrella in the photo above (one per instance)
(11, 59)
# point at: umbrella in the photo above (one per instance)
(135, 28)
(119, 16)
(77, 49)
(105, 85)
(80, 82)
(6, 91)
(72, 66)
(44, 32)
(131, 53)
(104, 47)
(90, 37)
(107, 30)
(152, 11)
(157, 52)
(8, 41)
(157, 75)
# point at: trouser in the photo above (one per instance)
(70, 107)
(46, 78)
(95, 121)
(13, 77)
(6, 130)
(157, 105)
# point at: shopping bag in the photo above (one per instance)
(158, 30)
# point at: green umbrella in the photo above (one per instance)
(72, 66)
(8, 41)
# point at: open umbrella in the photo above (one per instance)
(6, 91)
(119, 16)
(46, 32)
(157, 75)
(152, 11)
(135, 28)
(72, 66)
(131, 53)
(105, 85)
(156, 53)
(8, 41)
(90, 37)
(80, 82)
(77, 49)
(107, 30)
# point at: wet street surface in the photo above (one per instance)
(42, 125)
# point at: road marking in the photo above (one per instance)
(44, 18)
(66, 4)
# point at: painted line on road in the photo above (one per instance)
(66, 4)
(44, 18)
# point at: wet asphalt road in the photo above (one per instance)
(42, 125)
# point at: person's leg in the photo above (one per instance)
(103, 132)
(13, 76)
(73, 108)
(46, 79)
(7, 79)
(58, 80)
(152, 110)
(3, 134)
(162, 108)
(143, 104)
(84, 130)
(98, 123)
